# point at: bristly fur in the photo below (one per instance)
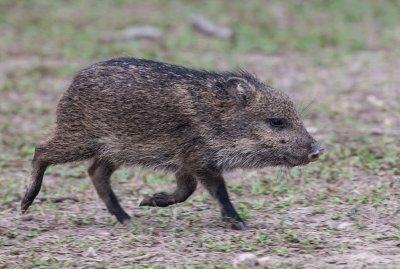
(192, 122)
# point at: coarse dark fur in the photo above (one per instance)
(194, 123)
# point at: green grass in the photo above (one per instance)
(54, 28)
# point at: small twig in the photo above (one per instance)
(146, 256)
(134, 32)
(204, 25)
(381, 132)
(59, 199)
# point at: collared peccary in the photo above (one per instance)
(194, 123)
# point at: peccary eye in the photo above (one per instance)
(277, 123)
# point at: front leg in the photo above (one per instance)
(215, 184)
(185, 185)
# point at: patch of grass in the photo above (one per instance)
(45, 28)
(281, 251)
(9, 190)
(153, 178)
(32, 233)
(122, 175)
(319, 210)
(52, 262)
(83, 219)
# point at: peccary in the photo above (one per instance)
(194, 123)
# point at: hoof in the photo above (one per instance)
(25, 205)
(148, 202)
(123, 218)
(161, 199)
(126, 222)
(235, 224)
(239, 226)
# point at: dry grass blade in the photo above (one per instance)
(59, 199)
(207, 27)
(134, 32)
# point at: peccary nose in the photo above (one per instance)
(316, 151)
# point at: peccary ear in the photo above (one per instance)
(239, 89)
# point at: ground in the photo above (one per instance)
(339, 63)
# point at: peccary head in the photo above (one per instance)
(264, 128)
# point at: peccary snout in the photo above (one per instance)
(316, 151)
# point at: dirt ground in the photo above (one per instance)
(341, 212)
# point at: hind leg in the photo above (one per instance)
(100, 172)
(55, 151)
(38, 169)
(185, 185)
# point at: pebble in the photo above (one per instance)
(265, 261)
(90, 253)
(245, 260)
(344, 225)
